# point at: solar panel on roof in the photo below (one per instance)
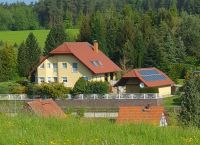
(148, 72)
(153, 78)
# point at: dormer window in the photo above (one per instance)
(96, 63)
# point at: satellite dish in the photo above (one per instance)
(142, 85)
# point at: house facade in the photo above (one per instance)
(72, 60)
(138, 80)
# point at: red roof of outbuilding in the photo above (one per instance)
(136, 74)
(138, 114)
(84, 52)
(46, 108)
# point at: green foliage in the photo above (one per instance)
(86, 87)
(55, 37)
(8, 63)
(28, 55)
(50, 90)
(190, 101)
(80, 112)
(98, 87)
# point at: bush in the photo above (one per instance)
(98, 87)
(80, 87)
(85, 87)
(52, 90)
(18, 90)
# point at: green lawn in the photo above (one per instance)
(12, 37)
(30, 130)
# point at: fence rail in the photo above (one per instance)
(84, 96)
(115, 96)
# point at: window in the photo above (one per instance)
(64, 65)
(74, 67)
(55, 67)
(42, 65)
(97, 63)
(41, 80)
(49, 65)
(85, 78)
(55, 79)
(49, 79)
(64, 79)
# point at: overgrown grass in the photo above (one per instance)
(12, 37)
(21, 130)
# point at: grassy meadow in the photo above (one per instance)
(12, 37)
(30, 130)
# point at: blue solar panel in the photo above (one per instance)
(149, 72)
(153, 78)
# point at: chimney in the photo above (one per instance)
(96, 46)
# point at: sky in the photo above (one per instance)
(12, 1)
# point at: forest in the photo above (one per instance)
(133, 33)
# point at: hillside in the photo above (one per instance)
(12, 37)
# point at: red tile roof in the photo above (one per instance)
(84, 52)
(46, 108)
(136, 74)
(139, 114)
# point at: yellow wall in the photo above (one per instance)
(72, 77)
(165, 91)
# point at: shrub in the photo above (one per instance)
(51, 90)
(80, 112)
(85, 87)
(18, 90)
(98, 87)
(80, 87)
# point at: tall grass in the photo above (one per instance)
(31, 130)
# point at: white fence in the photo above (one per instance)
(86, 96)
(115, 96)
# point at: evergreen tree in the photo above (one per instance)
(180, 50)
(7, 63)
(85, 30)
(152, 55)
(22, 60)
(128, 56)
(55, 37)
(139, 46)
(33, 51)
(190, 101)
(98, 28)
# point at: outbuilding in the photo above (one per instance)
(147, 80)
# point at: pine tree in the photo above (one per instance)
(33, 51)
(22, 60)
(98, 28)
(129, 55)
(190, 101)
(85, 30)
(7, 63)
(139, 46)
(55, 37)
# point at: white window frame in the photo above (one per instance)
(64, 63)
(41, 78)
(49, 65)
(74, 70)
(49, 79)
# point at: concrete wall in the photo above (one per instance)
(72, 77)
(112, 103)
